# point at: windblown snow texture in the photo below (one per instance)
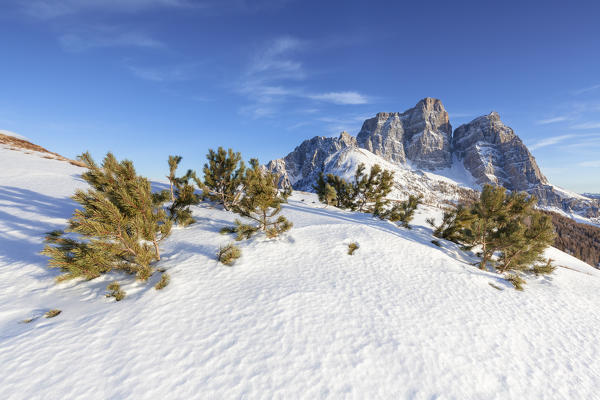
(295, 317)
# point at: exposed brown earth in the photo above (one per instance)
(15, 143)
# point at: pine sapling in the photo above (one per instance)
(173, 164)
(163, 282)
(228, 254)
(544, 269)
(223, 177)
(352, 247)
(402, 212)
(261, 202)
(516, 281)
(452, 224)
(114, 290)
(242, 231)
(120, 224)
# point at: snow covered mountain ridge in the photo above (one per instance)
(421, 142)
(295, 317)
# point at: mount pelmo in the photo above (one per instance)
(427, 155)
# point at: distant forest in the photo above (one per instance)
(579, 240)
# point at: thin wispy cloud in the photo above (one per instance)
(550, 141)
(462, 115)
(552, 120)
(587, 89)
(590, 164)
(172, 73)
(50, 9)
(341, 97)
(102, 38)
(587, 125)
(274, 76)
(592, 142)
(256, 111)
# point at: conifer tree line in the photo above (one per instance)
(367, 193)
(578, 239)
(121, 221)
(504, 228)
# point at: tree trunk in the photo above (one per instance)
(484, 256)
(156, 250)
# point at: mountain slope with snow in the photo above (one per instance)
(295, 317)
(483, 151)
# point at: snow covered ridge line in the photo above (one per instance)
(421, 140)
(297, 317)
(19, 143)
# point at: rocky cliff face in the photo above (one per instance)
(421, 135)
(301, 167)
(492, 153)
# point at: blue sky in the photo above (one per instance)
(149, 78)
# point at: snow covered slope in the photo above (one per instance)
(295, 317)
(439, 187)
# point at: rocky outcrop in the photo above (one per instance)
(299, 167)
(492, 153)
(421, 135)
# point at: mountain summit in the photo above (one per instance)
(421, 143)
(421, 135)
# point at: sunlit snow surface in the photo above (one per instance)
(295, 317)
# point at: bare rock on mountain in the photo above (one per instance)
(300, 167)
(421, 135)
(493, 153)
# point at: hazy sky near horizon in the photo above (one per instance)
(149, 78)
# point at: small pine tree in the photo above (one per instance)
(179, 210)
(507, 225)
(332, 184)
(173, 164)
(489, 213)
(120, 225)
(243, 231)
(516, 280)
(544, 269)
(228, 254)
(366, 194)
(402, 212)
(223, 177)
(330, 195)
(261, 201)
(114, 290)
(527, 239)
(352, 247)
(453, 222)
(163, 282)
(370, 190)
(183, 194)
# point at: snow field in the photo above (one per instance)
(295, 317)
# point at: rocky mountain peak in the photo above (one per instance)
(299, 167)
(421, 135)
(493, 153)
